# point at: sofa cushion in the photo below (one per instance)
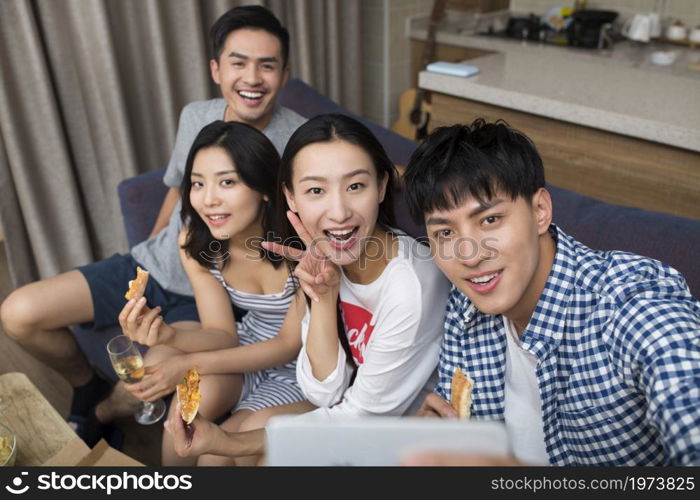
(140, 198)
(599, 225)
(308, 102)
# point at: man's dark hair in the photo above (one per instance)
(256, 161)
(252, 17)
(471, 160)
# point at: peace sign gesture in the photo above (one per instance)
(317, 274)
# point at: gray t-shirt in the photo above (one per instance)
(160, 254)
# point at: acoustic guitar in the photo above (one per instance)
(414, 109)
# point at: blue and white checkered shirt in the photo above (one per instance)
(617, 342)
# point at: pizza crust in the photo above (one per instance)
(461, 399)
(188, 395)
(137, 286)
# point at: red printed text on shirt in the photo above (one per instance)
(359, 327)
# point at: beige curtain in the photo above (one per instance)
(91, 91)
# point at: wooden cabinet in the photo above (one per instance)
(611, 167)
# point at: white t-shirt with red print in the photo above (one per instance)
(394, 327)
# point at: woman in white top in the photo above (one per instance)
(380, 283)
(372, 332)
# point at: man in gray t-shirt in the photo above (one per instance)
(249, 64)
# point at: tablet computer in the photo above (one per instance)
(298, 440)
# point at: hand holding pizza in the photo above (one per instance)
(436, 407)
(459, 405)
(139, 322)
(143, 324)
(200, 437)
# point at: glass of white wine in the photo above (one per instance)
(128, 363)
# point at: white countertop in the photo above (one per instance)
(618, 90)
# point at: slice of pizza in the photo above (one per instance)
(137, 286)
(462, 393)
(188, 395)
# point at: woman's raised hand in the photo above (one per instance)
(317, 274)
(143, 324)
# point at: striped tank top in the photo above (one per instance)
(264, 319)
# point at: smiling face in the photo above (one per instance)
(336, 193)
(250, 72)
(498, 253)
(228, 207)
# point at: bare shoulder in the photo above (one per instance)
(182, 237)
(191, 265)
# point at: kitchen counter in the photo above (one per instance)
(617, 90)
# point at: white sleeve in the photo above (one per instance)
(399, 360)
(325, 392)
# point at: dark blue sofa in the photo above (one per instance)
(600, 225)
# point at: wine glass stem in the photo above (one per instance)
(148, 408)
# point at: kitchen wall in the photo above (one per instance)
(386, 54)
(386, 50)
(687, 11)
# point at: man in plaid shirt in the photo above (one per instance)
(588, 357)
